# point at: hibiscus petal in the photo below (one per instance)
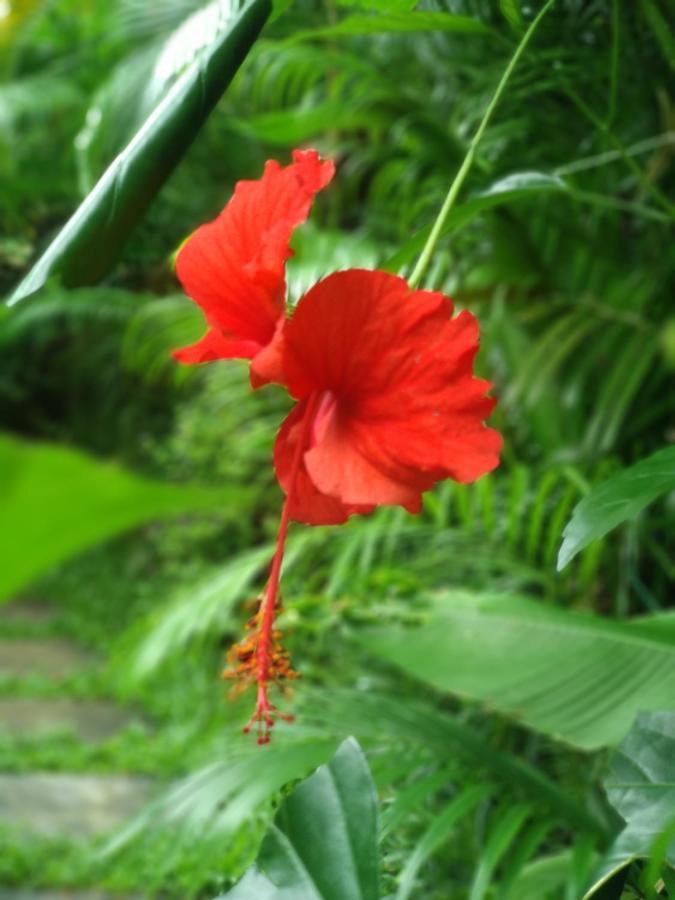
(233, 267)
(337, 468)
(407, 411)
(215, 345)
(308, 504)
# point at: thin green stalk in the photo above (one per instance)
(458, 181)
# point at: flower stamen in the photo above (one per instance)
(260, 658)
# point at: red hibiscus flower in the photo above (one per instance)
(387, 401)
(384, 376)
(233, 267)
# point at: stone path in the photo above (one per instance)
(49, 657)
(51, 804)
(90, 720)
(27, 611)
(70, 805)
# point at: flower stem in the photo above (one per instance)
(458, 181)
(265, 712)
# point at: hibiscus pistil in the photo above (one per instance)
(261, 657)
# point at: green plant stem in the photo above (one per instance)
(463, 171)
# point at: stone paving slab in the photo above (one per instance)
(91, 720)
(52, 658)
(70, 805)
(31, 611)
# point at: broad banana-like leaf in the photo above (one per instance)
(580, 678)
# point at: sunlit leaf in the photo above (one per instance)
(55, 502)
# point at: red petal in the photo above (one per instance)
(407, 410)
(215, 345)
(308, 505)
(268, 364)
(233, 267)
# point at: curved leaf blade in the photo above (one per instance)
(88, 245)
(323, 845)
(578, 678)
(614, 501)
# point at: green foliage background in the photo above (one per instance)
(561, 243)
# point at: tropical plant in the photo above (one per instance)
(487, 689)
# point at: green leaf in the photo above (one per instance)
(641, 787)
(576, 677)
(323, 844)
(224, 794)
(358, 24)
(517, 186)
(512, 13)
(544, 879)
(89, 243)
(437, 833)
(496, 846)
(55, 502)
(614, 501)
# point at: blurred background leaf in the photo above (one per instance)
(57, 502)
(556, 671)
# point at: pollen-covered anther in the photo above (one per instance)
(252, 656)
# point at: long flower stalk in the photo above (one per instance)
(463, 171)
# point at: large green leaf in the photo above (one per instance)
(641, 787)
(576, 677)
(55, 502)
(614, 501)
(88, 244)
(323, 844)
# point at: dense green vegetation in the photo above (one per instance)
(487, 675)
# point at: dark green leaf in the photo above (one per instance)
(641, 787)
(323, 845)
(614, 501)
(576, 677)
(88, 244)
(55, 502)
